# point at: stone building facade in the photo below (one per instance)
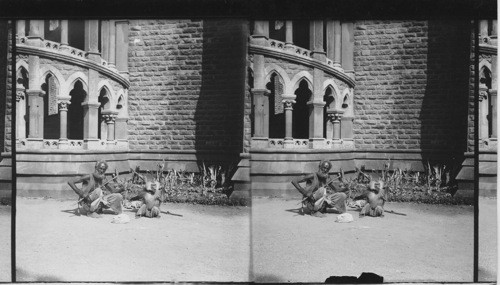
(5, 109)
(272, 98)
(401, 95)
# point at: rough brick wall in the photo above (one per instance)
(187, 84)
(5, 86)
(412, 84)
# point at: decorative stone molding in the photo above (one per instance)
(63, 105)
(71, 56)
(109, 117)
(300, 57)
(483, 93)
(20, 94)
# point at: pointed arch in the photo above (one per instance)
(59, 78)
(279, 71)
(72, 79)
(484, 63)
(104, 84)
(21, 64)
(330, 83)
(22, 73)
(297, 78)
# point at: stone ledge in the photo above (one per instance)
(268, 51)
(72, 60)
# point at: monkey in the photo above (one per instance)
(375, 200)
(151, 201)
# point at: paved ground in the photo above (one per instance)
(432, 243)
(5, 244)
(488, 239)
(209, 243)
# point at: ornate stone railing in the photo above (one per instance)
(54, 144)
(299, 55)
(71, 55)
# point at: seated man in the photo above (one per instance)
(151, 201)
(317, 200)
(94, 195)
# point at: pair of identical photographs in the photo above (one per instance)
(220, 116)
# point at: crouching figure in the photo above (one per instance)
(95, 196)
(320, 196)
(375, 200)
(151, 201)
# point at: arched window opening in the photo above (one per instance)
(300, 34)
(329, 100)
(22, 78)
(485, 80)
(75, 112)
(252, 112)
(52, 30)
(119, 105)
(300, 118)
(102, 129)
(276, 110)
(345, 103)
(277, 30)
(76, 29)
(22, 81)
(50, 108)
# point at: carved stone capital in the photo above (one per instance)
(20, 94)
(261, 92)
(335, 115)
(63, 105)
(109, 117)
(288, 104)
(483, 93)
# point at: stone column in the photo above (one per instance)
(91, 43)
(36, 33)
(493, 95)
(288, 101)
(35, 104)
(348, 47)
(261, 104)
(35, 109)
(260, 33)
(494, 123)
(21, 28)
(330, 40)
(121, 132)
(337, 49)
(316, 40)
(20, 112)
(105, 40)
(261, 113)
(90, 111)
(483, 112)
(110, 117)
(483, 29)
(90, 119)
(329, 126)
(289, 35)
(63, 123)
(64, 35)
(316, 107)
(122, 47)
(335, 116)
(112, 44)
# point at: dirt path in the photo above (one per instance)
(488, 246)
(5, 244)
(209, 243)
(431, 243)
